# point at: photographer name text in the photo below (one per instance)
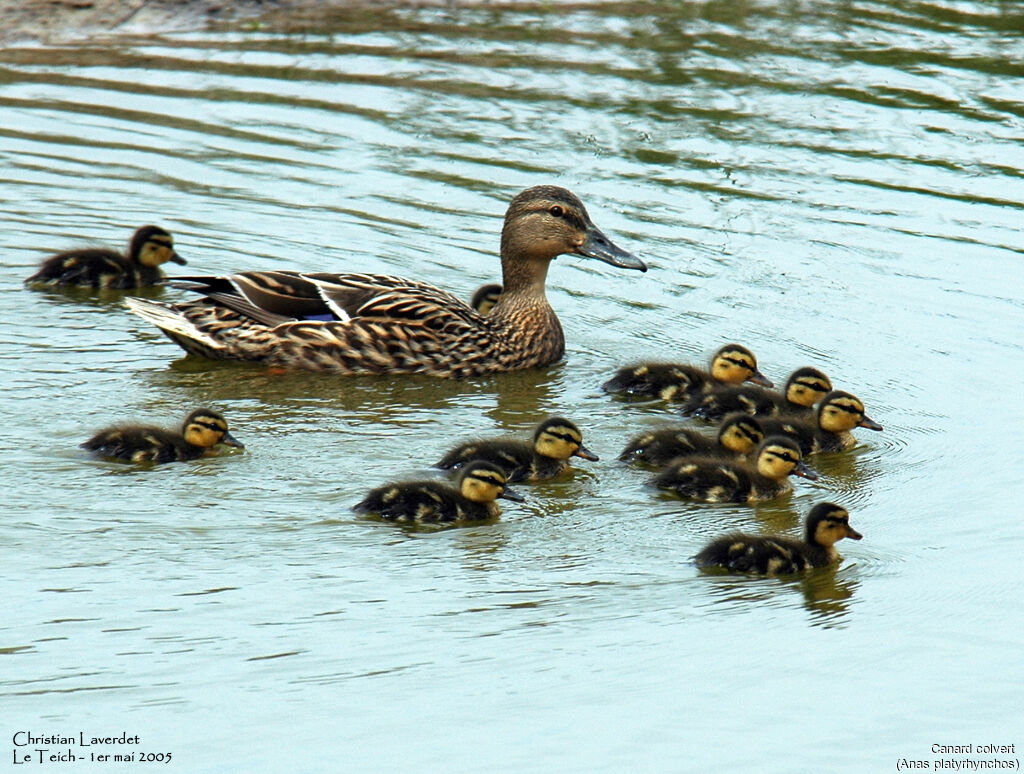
(31, 748)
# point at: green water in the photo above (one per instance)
(833, 184)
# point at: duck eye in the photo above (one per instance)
(557, 211)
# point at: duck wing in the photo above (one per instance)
(273, 297)
(382, 298)
(351, 323)
(283, 295)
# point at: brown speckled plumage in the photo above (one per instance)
(368, 323)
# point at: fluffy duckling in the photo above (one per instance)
(738, 436)
(555, 440)
(805, 387)
(201, 431)
(485, 298)
(717, 481)
(829, 429)
(100, 267)
(473, 498)
(731, 364)
(826, 525)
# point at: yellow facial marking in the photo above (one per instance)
(156, 251)
(205, 431)
(482, 486)
(733, 366)
(559, 442)
(841, 414)
(740, 437)
(777, 461)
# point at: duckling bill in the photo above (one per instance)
(826, 525)
(100, 268)
(473, 498)
(829, 430)
(375, 324)
(201, 431)
(555, 440)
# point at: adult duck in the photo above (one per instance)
(376, 324)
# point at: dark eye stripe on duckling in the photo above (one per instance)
(568, 437)
(813, 384)
(487, 477)
(209, 424)
(848, 405)
(782, 454)
(749, 432)
(740, 361)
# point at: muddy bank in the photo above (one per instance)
(67, 20)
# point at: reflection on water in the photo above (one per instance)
(835, 184)
(826, 591)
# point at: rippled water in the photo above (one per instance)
(837, 184)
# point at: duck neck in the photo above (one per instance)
(524, 313)
(523, 276)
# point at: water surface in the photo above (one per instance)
(834, 184)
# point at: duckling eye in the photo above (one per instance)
(556, 211)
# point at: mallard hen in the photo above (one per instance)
(375, 324)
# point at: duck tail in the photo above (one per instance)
(178, 328)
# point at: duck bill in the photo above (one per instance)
(230, 440)
(853, 534)
(178, 259)
(869, 423)
(586, 454)
(598, 246)
(508, 493)
(804, 471)
(759, 378)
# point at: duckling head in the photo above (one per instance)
(740, 433)
(560, 439)
(828, 523)
(152, 246)
(806, 386)
(205, 428)
(546, 221)
(485, 297)
(840, 412)
(483, 482)
(734, 363)
(779, 456)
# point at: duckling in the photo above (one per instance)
(376, 324)
(200, 432)
(826, 524)
(805, 387)
(485, 298)
(716, 481)
(731, 364)
(738, 435)
(473, 498)
(829, 429)
(100, 267)
(555, 440)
